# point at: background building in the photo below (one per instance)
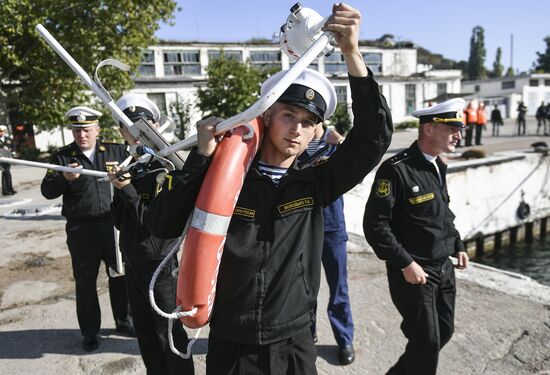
(171, 72)
(507, 92)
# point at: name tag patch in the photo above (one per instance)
(422, 198)
(294, 205)
(246, 212)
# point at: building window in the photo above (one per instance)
(508, 85)
(147, 65)
(180, 63)
(314, 64)
(341, 94)
(533, 82)
(410, 98)
(214, 54)
(160, 100)
(335, 64)
(477, 88)
(373, 61)
(547, 82)
(441, 88)
(265, 59)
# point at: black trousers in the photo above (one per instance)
(428, 317)
(479, 131)
(90, 241)
(469, 134)
(521, 125)
(293, 356)
(7, 187)
(151, 328)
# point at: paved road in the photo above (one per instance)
(495, 333)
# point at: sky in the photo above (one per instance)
(441, 26)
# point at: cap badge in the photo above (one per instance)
(310, 94)
(132, 108)
(415, 189)
(81, 117)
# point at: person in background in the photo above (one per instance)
(143, 254)
(90, 231)
(334, 257)
(409, 225)
(6, 150)
(481, 122)
(471, 121)
(541, 118)
(522, 111)
(496, 120)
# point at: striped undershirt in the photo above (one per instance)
(312, 146)
(274, 173)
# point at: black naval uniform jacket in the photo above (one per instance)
(128, 206)
(86, 197)
(407, 216)
(270, 269)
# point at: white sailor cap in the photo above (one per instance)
(311, 90)
(449, 112)
(3, 128)
(138, 107)
(82, 117)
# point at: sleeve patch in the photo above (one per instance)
(383, 188)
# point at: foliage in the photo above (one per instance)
(543, 60)
(182, 110)
(340, 119)
(476, 62)
(424, 56)
(498, 68)
(37, 83)
(510, 72)
(407, 124)
(231, 88)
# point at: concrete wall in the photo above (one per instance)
(485, 193)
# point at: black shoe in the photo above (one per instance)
(126, 328)
(346, 354)
(90, 343)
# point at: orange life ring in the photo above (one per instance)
(203, 245)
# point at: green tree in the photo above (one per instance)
(231, 88)
(510, 72)
(476, 62)
(340, 119)
(182, 110)
(498, 68)
(543, 60)
(38, 84)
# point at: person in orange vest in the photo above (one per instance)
(481, 122)
(471, 121)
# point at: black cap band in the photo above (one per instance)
(86, 120)
(306, 98)
(137, 113)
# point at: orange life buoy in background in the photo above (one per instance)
(203, 245)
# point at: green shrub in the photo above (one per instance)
(407, 124)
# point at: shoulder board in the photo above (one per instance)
(396, 159)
